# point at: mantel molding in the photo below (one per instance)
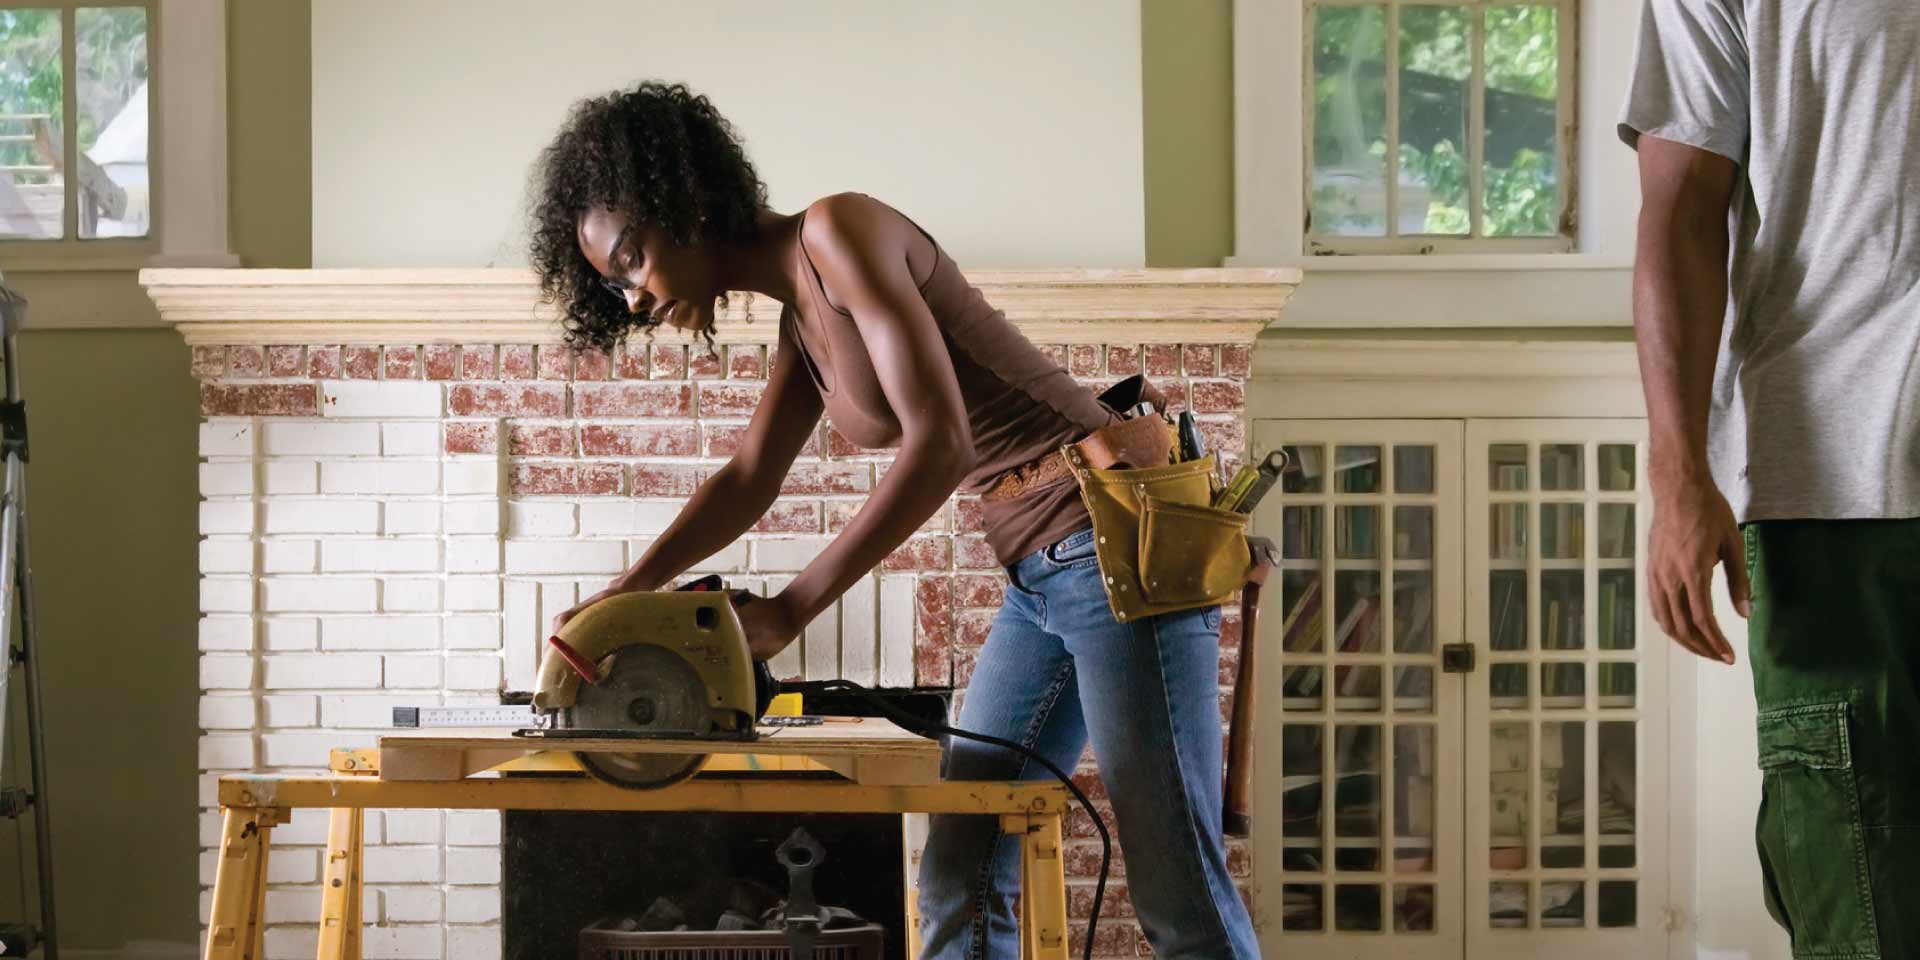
(211, 306)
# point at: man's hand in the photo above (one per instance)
(613, 590)
(1693, 529)
(770, 624)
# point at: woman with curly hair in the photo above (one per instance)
(647, 212)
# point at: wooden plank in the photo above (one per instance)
(750, 795)
(866, 735)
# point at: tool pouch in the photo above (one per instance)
(1161, 547)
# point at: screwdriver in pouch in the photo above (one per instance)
(1251, 483)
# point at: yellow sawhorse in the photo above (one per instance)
(251, 806)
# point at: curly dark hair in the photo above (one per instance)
(658, 153)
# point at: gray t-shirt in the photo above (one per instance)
(1816, 400)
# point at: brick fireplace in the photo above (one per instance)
(405, 476)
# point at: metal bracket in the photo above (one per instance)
(1457, 658)
(13, 428)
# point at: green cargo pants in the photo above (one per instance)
(1835, 642)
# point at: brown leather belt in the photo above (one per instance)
(1036, 472)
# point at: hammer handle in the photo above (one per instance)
(1236, 817)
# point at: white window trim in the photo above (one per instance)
(1270, 164)
(187, 41)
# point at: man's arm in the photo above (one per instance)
(1679, 305)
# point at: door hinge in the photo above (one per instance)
(1456, 658)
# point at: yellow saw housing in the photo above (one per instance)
(698, 627)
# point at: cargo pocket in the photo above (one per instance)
(1812, 846)
(1190, 554)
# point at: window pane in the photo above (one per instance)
(1522, 100)
(1436, 70)
(31, 191)
(1349, 121)
(110, 48)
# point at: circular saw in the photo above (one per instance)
(668, 666)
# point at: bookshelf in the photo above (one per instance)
(1504, 812)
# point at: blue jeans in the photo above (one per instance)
(1058, 669)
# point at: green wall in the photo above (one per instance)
(112, 501)
(1186, 74)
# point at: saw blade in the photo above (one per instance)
(646, 689)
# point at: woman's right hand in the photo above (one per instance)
(613, 590)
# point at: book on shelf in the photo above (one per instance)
(1412, 614)
(1616, 531)
(1508, 631)
(1301, 629)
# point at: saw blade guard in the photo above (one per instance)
(700, 628)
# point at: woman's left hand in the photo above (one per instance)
(770, 624)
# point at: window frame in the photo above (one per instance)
(186, 146)
(1566, 144)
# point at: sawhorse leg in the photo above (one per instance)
(237, 929)
(1043, 885)
(344, 889)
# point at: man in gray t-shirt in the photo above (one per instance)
(1777, 307)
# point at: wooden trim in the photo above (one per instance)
(1349, 379)
(501, 305)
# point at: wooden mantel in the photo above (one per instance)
(502, 305)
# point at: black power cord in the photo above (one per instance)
(921, 726)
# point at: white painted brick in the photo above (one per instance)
(379, 556)
(209, 828)
(226, 633)
(540, 518)
(312, 438)
(473, 554)
(473, 904)
(226, 752)
(227, 713)
(207, 792)
(308, 828)
(321, 594)
(380, 476)
(286, 943)
(481, 632)
(731, 559)
(524, 633)
(296, 904)
(474, 943)
(403, 865)
(380, 633)
(626, 518)
(292, 633)
(404, 943)
(226, 555)
(290, 710)
(322, 671)
(555, 596)
(308, 749)
(473, 476)
(410, 905)
(473, 673)
(370, 710)
(786, 556)
(292, 865)
(379, 398)
(564, 557)
(289, 556)
(412, 672)
(226, 437)
(226, 516)
(473, 593)
(410, 439)
(226, 478)
(473, 828)
(413, 516)
(820, 645)
(292, 477)
(472, 516)
(788, 662)
(322, 516)
(896, 631)
(219, 672)
(409, 595)
(473, 865)
(859, 632)
(226, 595)
(413, 826)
